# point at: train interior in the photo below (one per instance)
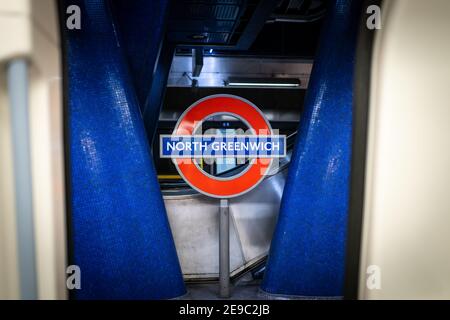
(89, 87)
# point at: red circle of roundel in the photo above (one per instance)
(197, 178)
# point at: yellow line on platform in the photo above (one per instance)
(169, 176)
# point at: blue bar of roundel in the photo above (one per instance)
(209, 151)
(119, 231)
(308, 248)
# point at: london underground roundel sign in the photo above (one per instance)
(188, 144)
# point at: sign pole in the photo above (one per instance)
(224, 249)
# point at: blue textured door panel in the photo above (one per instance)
(308, 248)
(120, 235)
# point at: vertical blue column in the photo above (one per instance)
(308, 248)
(141, 25)
(119, 232)
(148, 52)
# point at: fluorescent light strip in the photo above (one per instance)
(263, 82)
(248, 84)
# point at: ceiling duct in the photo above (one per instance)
(298, 11)
(221, 23)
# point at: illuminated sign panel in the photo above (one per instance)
(232, 146)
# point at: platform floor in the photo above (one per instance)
(209, 291)
(240, 291)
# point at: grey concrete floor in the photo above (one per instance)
(209, 291)
(241, 291)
